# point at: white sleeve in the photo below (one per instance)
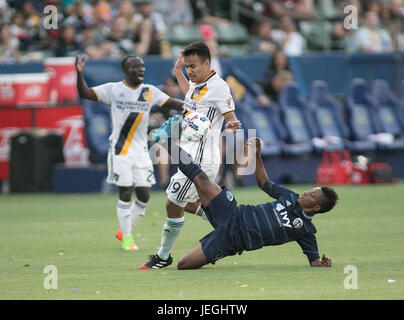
(158, 96)
(104, 92)
(222, 99)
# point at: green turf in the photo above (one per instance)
(75, 233)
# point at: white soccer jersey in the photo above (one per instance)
(130, 109)
(213, 99)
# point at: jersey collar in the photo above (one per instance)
(211, 74)
(306, 216)
(126, 84)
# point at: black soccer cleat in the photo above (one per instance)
(155, 262)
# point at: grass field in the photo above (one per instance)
(75, 233)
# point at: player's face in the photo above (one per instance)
(310, 200)
(197, 70)
(135, 71)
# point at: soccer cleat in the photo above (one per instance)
(119, 235)
(155, 262)
(164, 132)
(128, 244)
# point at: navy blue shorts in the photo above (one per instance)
(219, 243)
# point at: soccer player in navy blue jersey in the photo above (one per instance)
(251, 227)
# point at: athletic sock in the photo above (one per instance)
(200, 212)
(138, 211)
(171, 230)
(124, 217)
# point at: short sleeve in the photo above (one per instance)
(222, 99)
(159, 97)
(104, 92)
(308, 243)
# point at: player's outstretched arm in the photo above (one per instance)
(323, 262)
(82, 88)
(261, 176)
(173, 103)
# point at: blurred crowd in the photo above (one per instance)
(114, 28)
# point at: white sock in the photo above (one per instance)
(138, 211)
(123, 211)
(201, 213)
(171, 230)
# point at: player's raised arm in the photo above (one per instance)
(182, 80)
(261, 175)
(82, 88)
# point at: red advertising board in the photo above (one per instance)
(24, 89)
(11, 122)
(62, 73)
(69, 122)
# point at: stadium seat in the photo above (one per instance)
(387, 114)
(328, 116)
(361, 123)
(180, 35)
(232, 39)
(295, 118)
(253, 116)
(98, 129)
(317, 34)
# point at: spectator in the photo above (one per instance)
(9, 44)
(290, 41)
(127, 11)
(277, 75)
(19, 30)
(93, 43)
(68, 46)
(296, 9)
(371, 37)
(119, 41)
(150, 20)
(262, 41)
(4, 12)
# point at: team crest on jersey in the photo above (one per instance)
(145, 95)
(297, 223)
(199, 92)
(229, 196)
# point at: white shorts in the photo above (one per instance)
(181, 190)
(123, 173)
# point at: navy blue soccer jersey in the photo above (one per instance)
(251, 227)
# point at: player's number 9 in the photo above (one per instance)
(176, 187)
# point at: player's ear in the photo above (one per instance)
(317, 208)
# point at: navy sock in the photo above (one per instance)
(190, 169)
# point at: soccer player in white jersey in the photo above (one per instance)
(129, 163)
(206, 93)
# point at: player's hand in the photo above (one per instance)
(232, 126)
(255, 145)
(80, 62)
(325, 261)
(180, 61)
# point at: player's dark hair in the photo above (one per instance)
(329, 200)
(198, 48)
(124, 62)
